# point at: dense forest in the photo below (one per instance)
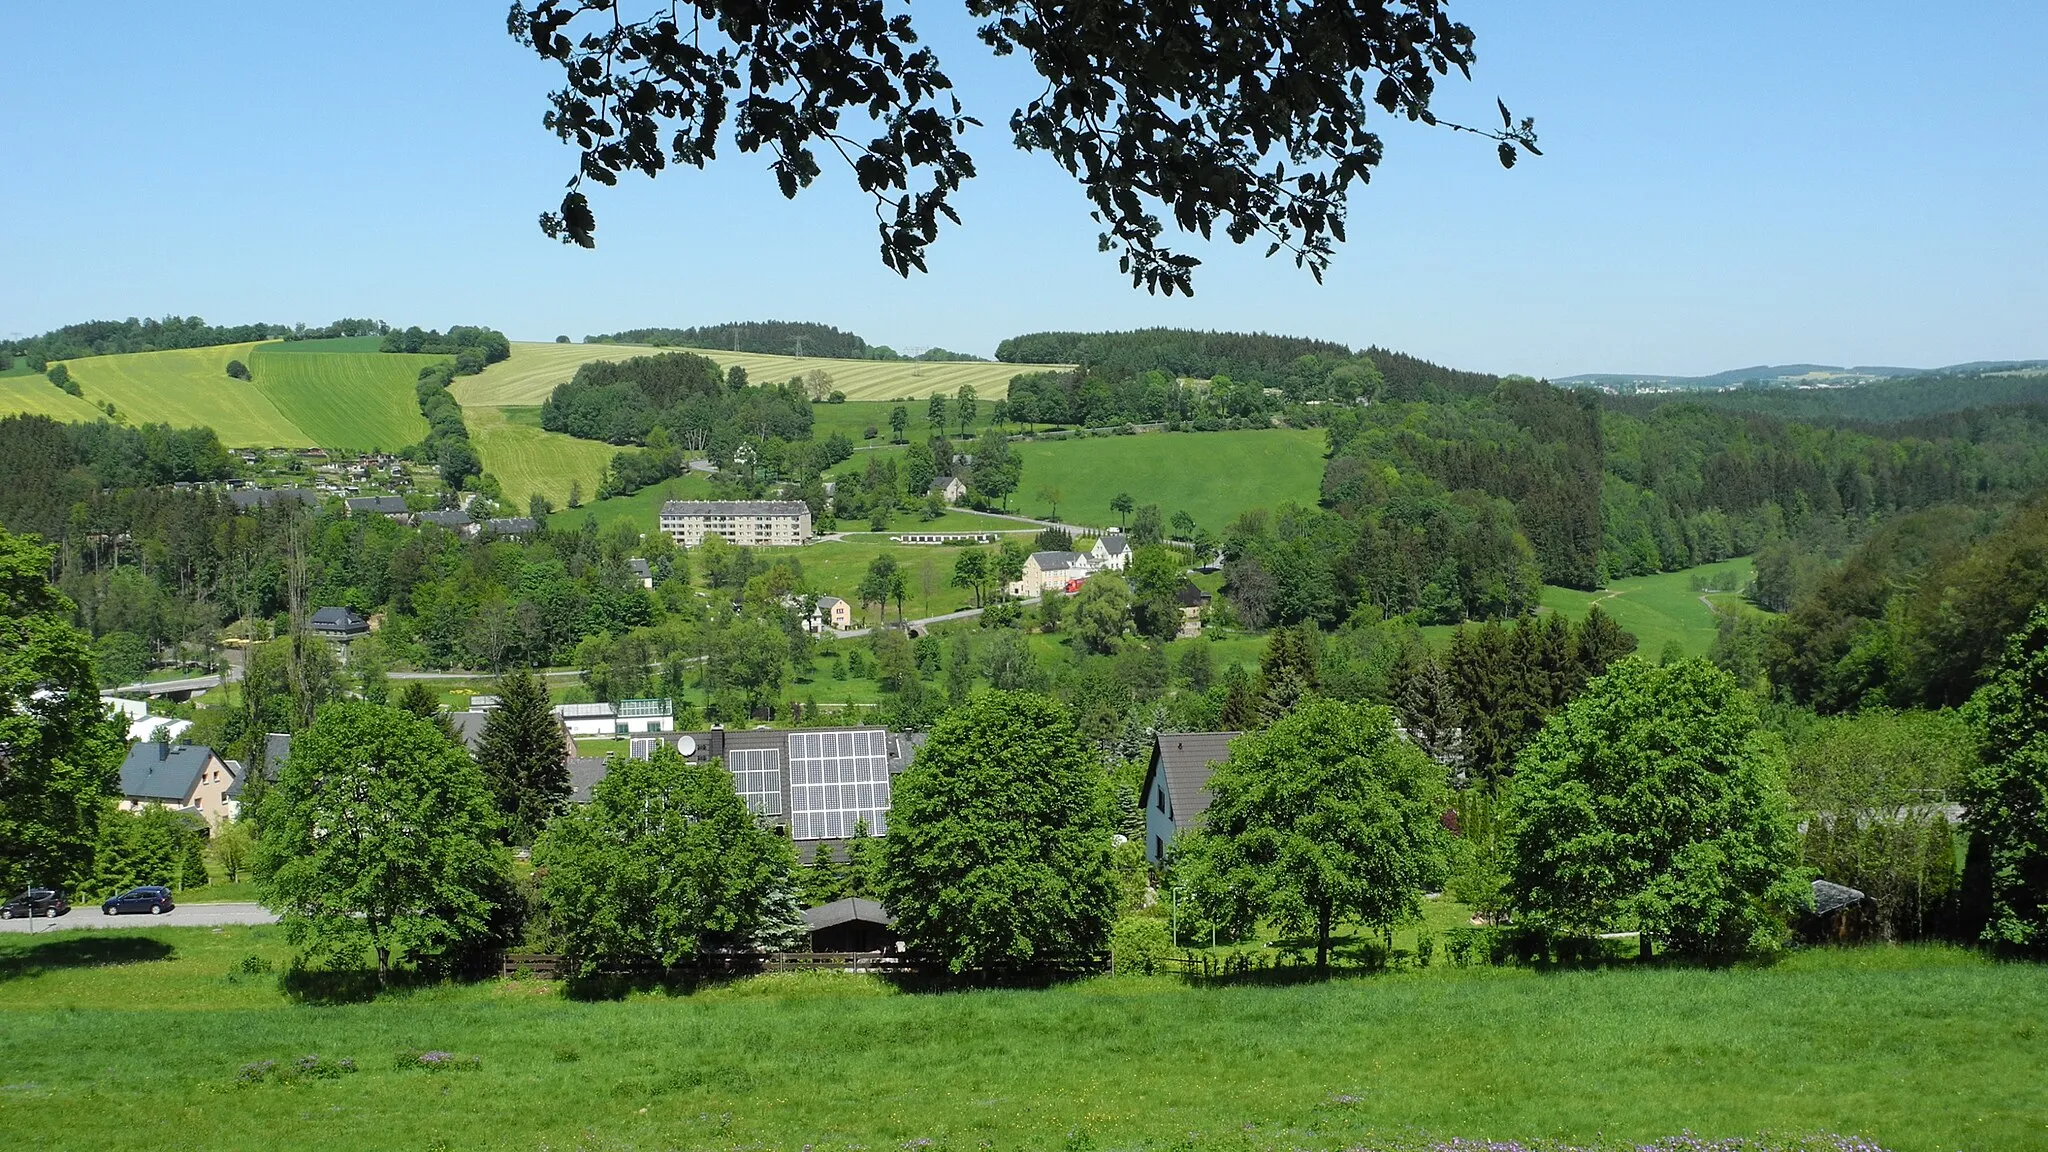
(773, 338)
(1882, 402)
(473, 347)
(110, 337)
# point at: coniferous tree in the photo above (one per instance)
(1287, 671)
(523, 756)
(1430, 711)
(1240, 711)
(1601, 642)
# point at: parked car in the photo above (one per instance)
(148, 898)
(44, 901)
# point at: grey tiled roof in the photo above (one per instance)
(734, 508)
(585, 773)
(382, 505)
(1188, 759)
(845, 911)
(512, 525)
(163, 771)
(246, 498)
(339, 620)
(447, 518)
(1051, 560)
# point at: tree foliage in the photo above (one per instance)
(1325, 816)
(523, 756)
(664, 865)
(2006, 796)
(999, 839)
(379, 833)
(59, 753)
(1654, 801)
(1254, 119)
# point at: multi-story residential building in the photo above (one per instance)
(748, 523)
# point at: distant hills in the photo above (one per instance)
(1786, 376)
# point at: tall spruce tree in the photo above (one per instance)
(524, 758)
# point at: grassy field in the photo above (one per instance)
(33, 394)
(1213, 476)
(357, 401)
(187, 387)
(1664, 609)
(135, 1039)
(642, 509)
(322, 347)
(527, 459)
(533, 370)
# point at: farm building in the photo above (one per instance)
(852, 925)
(1176, 789)
(185, 777)
(747, 523)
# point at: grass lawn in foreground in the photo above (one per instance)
(1213, 476)
(134, 1039)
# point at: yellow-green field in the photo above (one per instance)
(36, 396)
(189, 387)
(534, 369)
(1213, 476)
(350, 400)
(527, 459)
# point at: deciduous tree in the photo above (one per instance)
(999, 839)
(379, 833)
(1653, 801)
(2006, 798)
(663, 865)
(1327, 815)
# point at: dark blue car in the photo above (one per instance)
(148, 898)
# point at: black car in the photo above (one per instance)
(36, 901)
(148, 898)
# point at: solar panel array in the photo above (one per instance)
(757, 776)
(837, 780)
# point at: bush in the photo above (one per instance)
(435, 1060)
(1425, 949)
(238, 370)
(870, 432)
(307, 1067)
(1140, 945)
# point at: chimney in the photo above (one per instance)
(163, 750)
(717, 741)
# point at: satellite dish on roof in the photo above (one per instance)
(687, 745)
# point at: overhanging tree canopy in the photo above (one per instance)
(1249, 114)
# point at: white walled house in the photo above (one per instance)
(1051, 570)
(832, 613)
(627, 717)
(185, 777)
(1112, 551)
(747, 523)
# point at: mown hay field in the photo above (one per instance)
(356, 401)
(533, 370)
(34, 395)
(1665, 609)
(136, 1038)
(189, 387)
(527, 459)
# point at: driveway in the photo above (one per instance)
(183, 916)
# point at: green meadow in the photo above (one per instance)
(190, 386)
(527, 458)
(1665, 609)
(1213, 476)
(355, 401)
(135, 1039)
(31, 393)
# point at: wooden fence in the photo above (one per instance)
(551, 967)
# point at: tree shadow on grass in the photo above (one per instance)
(90, 951)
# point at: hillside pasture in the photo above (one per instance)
(642, 509)
(1664, 609)
(31, 394)
(189, 387)
(1914, 1049)
(1213, 476)
(533, 370)
(327, 346)
(353, 401)
(527, 459)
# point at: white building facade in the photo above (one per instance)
(747, 523)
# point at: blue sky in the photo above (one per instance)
(1723, 185)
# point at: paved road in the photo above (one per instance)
(183, 916)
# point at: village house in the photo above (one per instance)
(1176, 787)
(390, 506)
(1051, 570)
(948, 488)
(182, 777)
(832, 612)
(1111, 551)
(340, 625)
(1192, 601)
(625, 718)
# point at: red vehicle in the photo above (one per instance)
(1073, 586)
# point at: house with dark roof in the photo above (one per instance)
(1191, 600)
(948, 488)
(392, 506)
(340, 625)
(1044, 571)
(810, 784)
(184, 777)
(641, 571)
(512, 527)
(248, 499)
(1111, 551)
(1176, 789)
(453, 519)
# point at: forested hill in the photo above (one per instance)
(772, 338)
(1246, 356)
(112, 337)
(1886, 401)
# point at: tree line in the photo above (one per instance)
(112, 337)
(773, 338)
